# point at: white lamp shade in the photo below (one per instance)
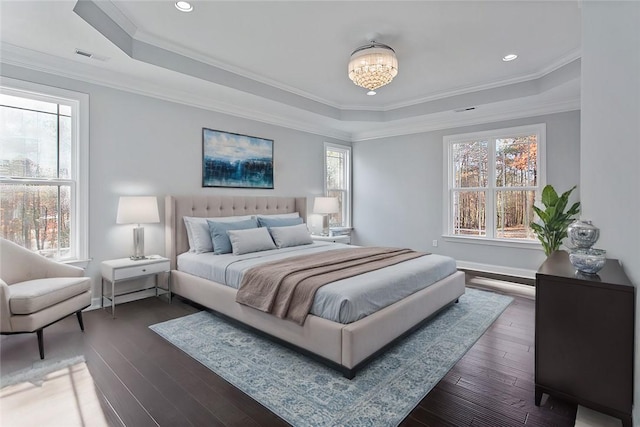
(138, 210)
(326, 205)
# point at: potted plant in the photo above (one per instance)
(555, 220)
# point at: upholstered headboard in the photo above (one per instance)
(177, 207)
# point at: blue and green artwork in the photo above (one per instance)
(233, 160)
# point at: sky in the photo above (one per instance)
(229, 146)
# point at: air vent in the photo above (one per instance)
(84, 53)
(461, 110)
(91, 55)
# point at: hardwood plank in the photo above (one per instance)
(421, 417)
(146, 381)
(460, 410)
(486, 401)
(159, 408)
(120, 399)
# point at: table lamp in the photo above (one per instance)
(325, 206)
(138, 210)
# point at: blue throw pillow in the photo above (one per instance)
(279, 222)
(219, 236)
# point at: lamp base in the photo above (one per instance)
(138, 258)
(325, 225)
(138, 244)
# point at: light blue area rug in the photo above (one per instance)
(306, 393)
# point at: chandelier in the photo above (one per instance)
(373, 65)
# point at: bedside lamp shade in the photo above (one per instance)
(325, 206)
(138, 210)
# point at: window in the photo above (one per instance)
(493, 179)
(337, 166)
(43, 169)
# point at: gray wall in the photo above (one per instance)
(146, 146)
(610, 172)
(398, 189)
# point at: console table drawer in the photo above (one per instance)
(137, 271)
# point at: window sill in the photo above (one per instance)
(533, 245)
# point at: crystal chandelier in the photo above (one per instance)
(373, 65)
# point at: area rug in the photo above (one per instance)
(306, 393)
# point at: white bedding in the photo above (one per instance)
(344, 301)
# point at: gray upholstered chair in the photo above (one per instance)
(36, 292)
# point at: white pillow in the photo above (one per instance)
(286, 215)
(294, 235)
(250, 240)
(198, 233)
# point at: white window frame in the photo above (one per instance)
(79, 180)
(540, 130)
(346, 205)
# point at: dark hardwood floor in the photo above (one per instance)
(144, 381)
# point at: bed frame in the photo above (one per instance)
(344, 347)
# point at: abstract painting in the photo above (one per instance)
(234, 160)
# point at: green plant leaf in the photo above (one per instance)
(555, 220)
(549, 196)
(541, 214)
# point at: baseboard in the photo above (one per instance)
(95, 304)
(501, 286)
(497, 269)
(145, 293)
(586, 417)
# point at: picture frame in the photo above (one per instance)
(234, 160)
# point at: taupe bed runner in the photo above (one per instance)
(286, 288)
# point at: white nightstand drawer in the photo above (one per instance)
(141, 270)
(345, 238)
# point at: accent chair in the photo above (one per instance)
(36, 292)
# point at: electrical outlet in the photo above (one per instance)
(434, 244)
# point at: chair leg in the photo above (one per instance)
(79, 315)
(40, 343)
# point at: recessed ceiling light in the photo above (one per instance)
(184, 6)
(509, 57)
(371, 92)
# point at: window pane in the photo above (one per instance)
(470, 164)
(469, 213)
(514, 213)
(516, 162)
(28, 143)
(65, 148)
(337, 219)
(336, 161)
(29, 216)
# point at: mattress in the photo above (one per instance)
(343, 301)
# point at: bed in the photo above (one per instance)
(346, 347)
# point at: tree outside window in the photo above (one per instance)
(38, 176)
(493, 181)
(338, 182)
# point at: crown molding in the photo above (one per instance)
(139, 34)
(567, 59)
(42, 62)
(513, 110)
(143, 36)
(153, 40)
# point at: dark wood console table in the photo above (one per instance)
(584, 336)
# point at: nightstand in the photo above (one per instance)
(345, 238)
(123, 269)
